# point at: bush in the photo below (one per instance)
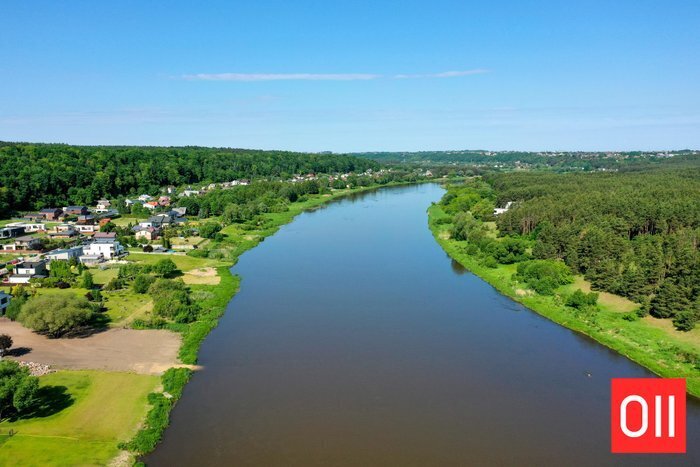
(209, 229)
(17, 387)
(490, 262)
(165, 267)
(580, 299)
(142, 282)
(147, 249)
(55, 315)
(114, 284)
(544, 276)
(86, 280)
(685, 320)
(15, 307)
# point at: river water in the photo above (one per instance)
(355, 340)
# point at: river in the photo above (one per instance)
(355, 340)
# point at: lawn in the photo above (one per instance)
(85, 415)
(124, 306)
(124, 221)
(183, 262)
(103, 276)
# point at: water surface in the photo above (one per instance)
(356, 341)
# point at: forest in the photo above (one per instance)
(634, 234)
(34, 176)
(555, 161)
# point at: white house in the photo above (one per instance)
(103, 205)
(498, 211)
(106, 248)
(145, 198)
(190, 193)
(27, 270)
(64, 254)
(87, 229)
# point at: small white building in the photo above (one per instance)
(106, 248)
(103, 205)
(64, 254)
(498, 211)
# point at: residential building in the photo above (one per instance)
(164, 201)
(25, 242)
(63, 231)
(103, 205)
(150, 205)
(112, 235)
(4, 301)
(87, 229)
(52, 214)
(148, 233)
(144, 198)
(27, 270)
(12, 232)
(64, 254)
(76, 210)
(106, 248)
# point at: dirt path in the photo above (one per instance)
(147, 352)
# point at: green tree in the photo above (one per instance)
(165, 267)
(141, 283)
(86, 280)
(17, 387)
(5, 344)
(55, 315)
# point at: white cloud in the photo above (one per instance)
(322, 76)
(281, 76)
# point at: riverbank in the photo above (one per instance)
(215, 304)
(662, 350)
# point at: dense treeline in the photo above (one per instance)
(633, 234)
(555, 161)
(33, 176)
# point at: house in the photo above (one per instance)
(12, 232)
(164, 201)
(26, 242)
(244, 182)
(106, 248)
(498, 211)
(27, 270)
(112, 235)
(63, 231)
(103, 205)
(150, 204)
(52, 214)
(129, 202)
(64, 254)
(33, 227)
(4, 301)
(190, 192)
(34, 216)
(148, 233)
(179, 212)
(85, 219)
(144, 198)
(104, 221)
(87, 229)
(76, 210)
(162, 220)
(170, 190)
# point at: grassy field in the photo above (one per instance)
(184, 263)
(84, 415)
(651, 342)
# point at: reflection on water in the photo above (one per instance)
(355, 341)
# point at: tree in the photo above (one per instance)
(60, 270)
(142, 282)
(670, 299)
(580, 300)
(55, 315)
(209, 229)
(86, 280)
(17, 387)
(5, 344)
(165, 267)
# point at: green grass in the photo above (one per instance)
(124, 306)
(656, 346)
(86, 415)
(184, 263)
(103, 276)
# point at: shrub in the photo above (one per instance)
(86, 280)
(55, 315)
(544, 276)
(685, 320)
(142, 282)
(114, 284)
(580, 299)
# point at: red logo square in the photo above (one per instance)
(647, 415)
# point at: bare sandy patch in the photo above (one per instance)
(141, 351)
(206, 276)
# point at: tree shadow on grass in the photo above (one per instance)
(49, 401)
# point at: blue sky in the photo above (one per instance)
(353, 76)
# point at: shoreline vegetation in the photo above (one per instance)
(615, 322)
(175, 379)
(72, 400)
